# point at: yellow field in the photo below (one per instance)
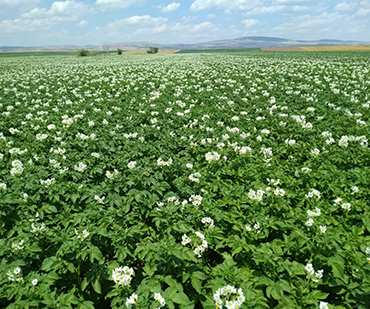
(335, 48)
(168, 51)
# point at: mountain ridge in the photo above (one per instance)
(241, 42)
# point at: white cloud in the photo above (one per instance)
(143, 20)
(199, 5)
(326, 25)
(82, 23)
(43, 19)
(159, 29)
(297, 2)
(17, 5)
(345, 6)
(283, 9)
(211, 16)
(171, 7)
(20, 25)
(362, 12)
(186, 19)
(59, 11)
(116, 4)
(250, 22)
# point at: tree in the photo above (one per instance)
(105, 46)
(83, 52)
(152, 50)
(119, 51)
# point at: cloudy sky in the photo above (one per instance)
(83, 22)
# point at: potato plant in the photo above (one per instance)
(185, 181)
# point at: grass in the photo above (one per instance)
(47, 53)
(143, 51)
(230, 50)
(335, 48)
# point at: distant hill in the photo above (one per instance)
(243, 42)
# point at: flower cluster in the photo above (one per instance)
(111, 175)
(267, 154)
(189, 165)
(2, 186)
(15, 275)
(83, 235)
(17, 169)
(131, 165)
(323, 305)
(38, 228)
(242, 150)
(312, 275)
(212, 156)
(279, 192)
(131, 300)
(122, 275)
(208, 222)
(229, 297)
(367, 251)
(315, 213)
(100, 200)
(202, 247)
(95, 155)
(315, 152)
(256, 196)
(256, 228)
(160, 300)
(195, 177)
(185, 240)
(313, 193)
(81, 167)
(173, 199)
(354, 190)
(196, 200)
(162, 163)
(48, 182)
(345, 206)
(290, 142)
(19, 246)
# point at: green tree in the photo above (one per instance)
(119, 51)
(83, 52)
(152, 50)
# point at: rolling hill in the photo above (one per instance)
(243, 42)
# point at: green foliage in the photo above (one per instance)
(119, 51)
(82, 52)
(152, 50)
(117, 164)
(216, 50)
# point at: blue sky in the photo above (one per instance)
(83, 22)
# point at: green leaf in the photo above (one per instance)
(112, 293)
(196, 283)
(96, 254)
(181, 298)
(173, 283)
(48, 263)
(150, 269)
(338, 269)
(86, 305)
(96, 286)
(319, 295)
(84, 284)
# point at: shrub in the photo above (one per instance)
(119, 51)
(83, 52)
(152, 50)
